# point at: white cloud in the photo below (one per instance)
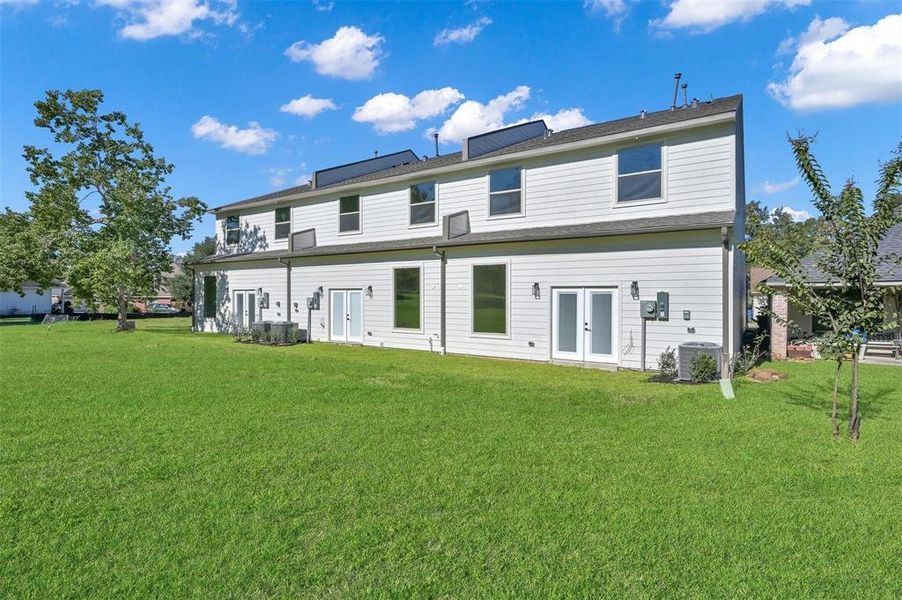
(278, 176)
(391, 112)
(705, 15)
(18, 3)
(775, 187)
(797, 215)
(253, 140)
(838, 67)
(308, 106)
(566, 118)
(472, 117)
(321, 6)
(149, 19)
(349, 54)
(611, 8)
(462, 35)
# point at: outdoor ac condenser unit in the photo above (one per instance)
(688, 352)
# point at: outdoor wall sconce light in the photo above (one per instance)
(536, 292)
(319, 290)
(634, 290)
(369, 291)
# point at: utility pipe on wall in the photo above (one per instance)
(444, 263)
(193, 297)
(287, 285)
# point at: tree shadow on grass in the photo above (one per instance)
(817, 395)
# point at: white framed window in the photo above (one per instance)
(349, 214)
(640, 174)
(232, 230)
(407, 298)
(422, 203)
(506, 192)
(283, 223)
(490, 299)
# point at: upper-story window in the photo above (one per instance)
(422, 203)
(232, 230)
(639, 173)
(349, 214)
(505, 194)
(283, 223)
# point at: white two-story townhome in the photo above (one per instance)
(527, 244)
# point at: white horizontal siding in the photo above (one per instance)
(569, 188)
(359, 272)
(242, 276)
(258, 232)
(687, 265)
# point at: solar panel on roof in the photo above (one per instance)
(502, 138)
(364, 167)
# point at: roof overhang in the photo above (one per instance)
(625, 227)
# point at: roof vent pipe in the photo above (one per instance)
(695, 103)
(642, 113)
(435, 136)
(375, 154)
(676, 88)
(685, 102)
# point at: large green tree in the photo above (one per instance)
(779, 226)
(180, 284)
(102, 207)
(845, 258)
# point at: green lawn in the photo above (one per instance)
(161, 463)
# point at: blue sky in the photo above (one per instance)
(212, 83)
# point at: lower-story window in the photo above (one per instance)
(209, 297)
(407, 292)
(490, 299)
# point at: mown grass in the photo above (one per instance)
(160, 463)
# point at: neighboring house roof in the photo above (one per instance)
(888, 272)
(665, 117)
(757, 275)
(687, 222)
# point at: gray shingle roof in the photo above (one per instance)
(706, 220)
(890, 270)
(634, 123)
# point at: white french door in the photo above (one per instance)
(584, 324)
(346, 315)
(245, 304)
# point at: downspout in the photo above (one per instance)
(444, 263)
(727, 292)
(287, 285)
(193, 297)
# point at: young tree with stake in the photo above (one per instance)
(844, 293)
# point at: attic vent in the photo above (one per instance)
(456, 225)
(301, 240)
(478, 145)
(341, 173)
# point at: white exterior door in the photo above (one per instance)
(584, 324)
(346, 315)
(245, 303)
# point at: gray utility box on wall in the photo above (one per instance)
(663, 305)
(690, 350)
(648, 309)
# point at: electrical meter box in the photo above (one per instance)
(648, 309)
(663, 305)
(313, 303)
